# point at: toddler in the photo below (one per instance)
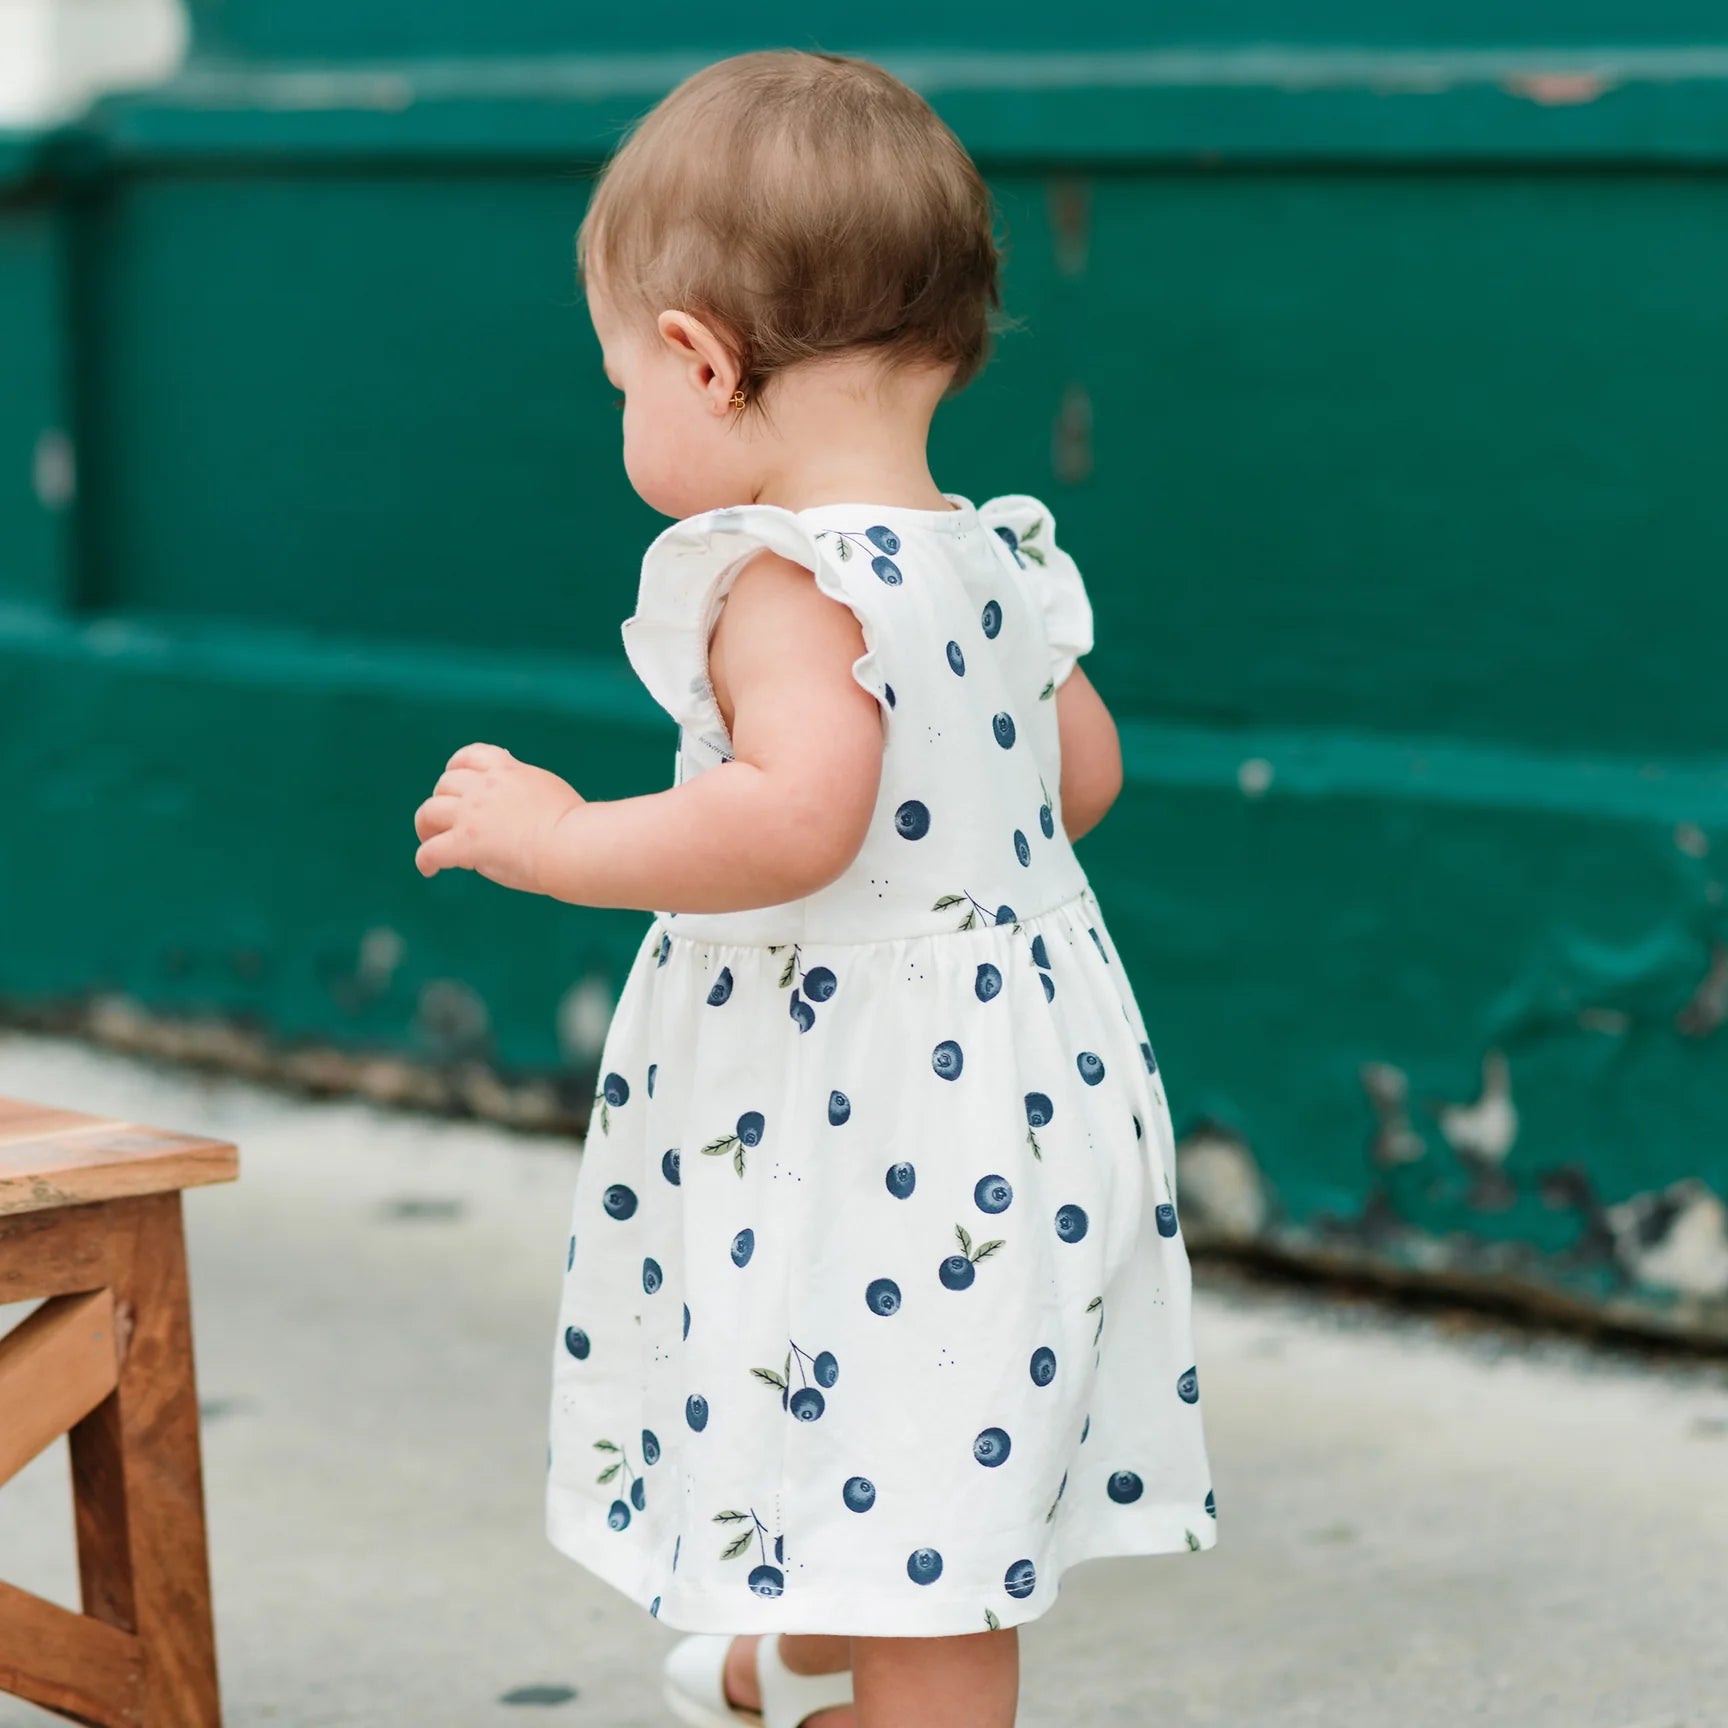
(876, 1310)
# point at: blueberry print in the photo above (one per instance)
(947, 1059)
(747, 1133)
(958, 1270)
(1211, 1503)
(989, 1374)
(654, 1607)
(1071, 1222)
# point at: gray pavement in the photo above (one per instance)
(1422, 1523)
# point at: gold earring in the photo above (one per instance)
(737, 398)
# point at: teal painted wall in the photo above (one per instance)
(1397, 480)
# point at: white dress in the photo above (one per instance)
(876, 1315)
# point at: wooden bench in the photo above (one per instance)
(90, 1219)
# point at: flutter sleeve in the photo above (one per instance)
(1028, 530)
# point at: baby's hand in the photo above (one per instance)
(492, 814)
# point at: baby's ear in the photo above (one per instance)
(709, 362)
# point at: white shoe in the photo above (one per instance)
(695, 1688)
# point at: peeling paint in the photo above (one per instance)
(1071, 436)
(1068, 200)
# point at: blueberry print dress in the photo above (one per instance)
(876, 1308)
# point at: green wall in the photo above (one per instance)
(1395, 471)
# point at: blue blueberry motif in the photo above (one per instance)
(780, 1550)
(1138, 1130)
(1043, 1365)
(671, 1166)
(652, 1276)
(770, 1580)
(1047, 821)
(696, 1411)
(839, 1109)
(650, 1446)
(1166, 1216)
(570, 1258)
(1086, 1428)
(1124, 1487)
(1009, 538)
(686, 1319)
(1049, 984)
(887, 570)
(1020, 1580)
(989, 983)
(924, 1566)
(1090, 1066)
(750, 1126)
(807, 1404)
(619, 1201)
(1098, 942)
(616, 1089)
(1039, 1110)
(882, 1296)
(802, 1012)
(722, 987)
(1211, 1503)
(665, 950)
(883, 539)
(653, 1069)
(1151, 1060)
(912, 820)
(957, 1272)
(654, 1607)
(1003, 726)
(639, 1495)
(1040, 954)
(618, 1515)
(1188, 1386)
(992, 1447)
(819, 984)
(743, 1246)
(901, 1180)
(947, 1059)
(576, 1342)
(956, 660)
(991, 619)
(1022, 847)
(825, 1370)
(1071, 1222)
(1006, 915)
(993, 1194)
(859, 1494)
(888, 691)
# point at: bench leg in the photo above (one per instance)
(137, 1476)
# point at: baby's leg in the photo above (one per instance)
(803, 1653)
(969, 1681)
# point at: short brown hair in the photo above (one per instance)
(807, 204)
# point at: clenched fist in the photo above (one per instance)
(491, 814)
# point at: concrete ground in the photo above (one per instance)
(1422, 1522)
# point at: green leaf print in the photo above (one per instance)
(991, 1622)
(1048, 691)
(964, 1239)
(1193, 1541)
(610, 1471)
(1035, 553)
(790, 970)
(985, 1250)
(970, 921)
(731, 1517)
(948, 900)
(1032, 1141)
(604, 1446)
(738, 1544)
(1034, 531)
(777, 1381)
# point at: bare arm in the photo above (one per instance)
(781, 820)
(1091, 755)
